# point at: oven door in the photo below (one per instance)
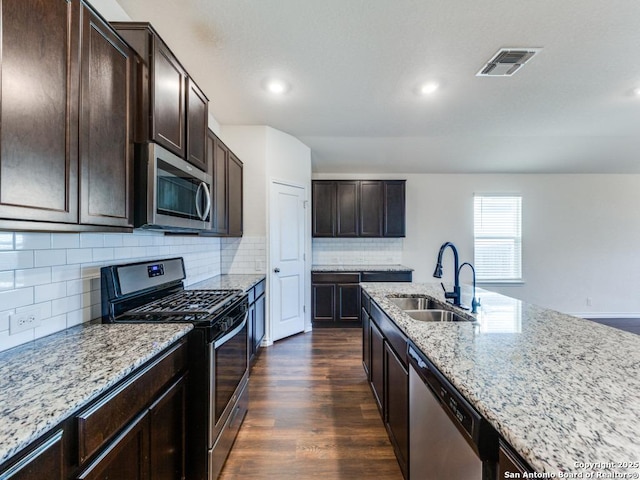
(229, 361)
(180, 193)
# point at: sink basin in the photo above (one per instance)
(414, 303)
(437, 316)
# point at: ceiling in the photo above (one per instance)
(354, 67)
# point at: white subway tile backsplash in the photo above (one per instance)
(13, 260)
(32, 276)
(79, 255)
(242, 255)
(32, 241)
(91, 240)
(363, 251)
(4, 320)
(51, 291)
(7, 280)
(16, 298)
(65, 240)
(60, 273)
(48, 258)
(51, 325)
(6, 240)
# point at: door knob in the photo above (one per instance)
(276, 270)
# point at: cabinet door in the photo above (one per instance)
(347, 209)
(106, 145)
(39, 134)
(510, 463)
(251, 330)
(394, 208)
(348, 304)
(366, 341)
(168, 433)
(45, 461)
(323, 302)
(397, 406)
(234, 197)
(324, 208)
(197, 119)
(126, 457)
(376, 367)
(168, 100)
(371, 192)
(219, 194)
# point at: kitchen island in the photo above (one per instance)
(562, 391)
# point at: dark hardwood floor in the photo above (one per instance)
(312, 414)
(627, 324)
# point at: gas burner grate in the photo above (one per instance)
(192, 303)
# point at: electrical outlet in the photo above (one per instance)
(588, 301)
(19, 322)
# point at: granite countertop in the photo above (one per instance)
(43, 382)
(242, 282)
(360, 268)
(561, 390)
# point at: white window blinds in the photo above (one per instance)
(497, 238)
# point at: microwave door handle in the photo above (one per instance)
(208, 197)
(197, 200)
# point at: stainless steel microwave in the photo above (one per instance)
(170, 193)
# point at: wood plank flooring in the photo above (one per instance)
(312, 415)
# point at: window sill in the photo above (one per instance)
(503, 283)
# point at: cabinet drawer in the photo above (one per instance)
(256, 291)
(334, 277)
(100, 422)
(402, 276)
(392, 333)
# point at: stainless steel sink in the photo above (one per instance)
(415, 303)
(437, 316)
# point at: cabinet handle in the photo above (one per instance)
(276, 270)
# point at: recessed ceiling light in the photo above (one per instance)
(636, 91)
(428, 88)
(276, 86)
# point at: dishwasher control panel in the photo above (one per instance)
(451, 400)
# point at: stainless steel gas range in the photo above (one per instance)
(153, 292)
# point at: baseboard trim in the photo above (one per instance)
(616, 315)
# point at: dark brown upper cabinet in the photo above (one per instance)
(323, 199)
(197, 125)
(173, 111)
(106, 129)
(226, 170)
(358, 208)
(66, 106)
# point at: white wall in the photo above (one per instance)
(581, 235)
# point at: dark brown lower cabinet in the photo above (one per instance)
(335, 299)
(376, 364)
(385, 362)
(126, 457)
(44, 461)
(257, 316)
(366, 340)
(168, 432)
(397, 406)
(510, 465)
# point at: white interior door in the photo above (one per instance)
(286, 258)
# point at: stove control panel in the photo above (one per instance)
(156, 270)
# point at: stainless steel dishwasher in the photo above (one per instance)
(448, 439)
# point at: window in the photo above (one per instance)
(497, 238)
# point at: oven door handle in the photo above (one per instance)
(232, 333)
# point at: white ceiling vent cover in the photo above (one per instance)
(507, 62)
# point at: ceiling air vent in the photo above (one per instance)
(507, 62)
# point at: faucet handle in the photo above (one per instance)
(443, 289)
